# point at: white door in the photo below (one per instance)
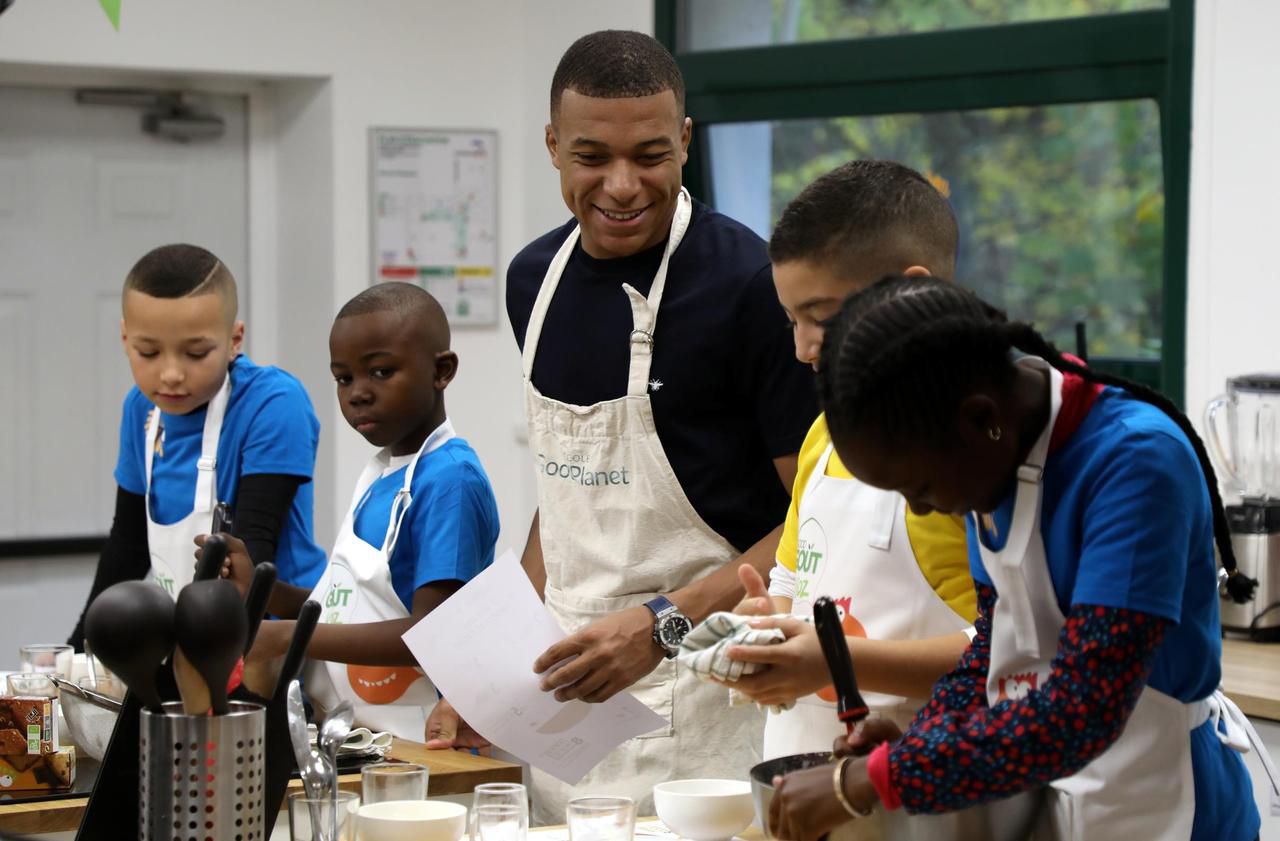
(83, 194)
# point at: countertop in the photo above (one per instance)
(451, 772)
(1251, 677)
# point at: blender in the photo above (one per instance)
(1242, 431)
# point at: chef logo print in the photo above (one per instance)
(340, 595)
(852, 628)
(1015, 687)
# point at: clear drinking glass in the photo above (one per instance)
(500, 794)
(385, 781)
(601, 818)
(47, 658)
(310, 818)
(32, 684)
(500, 823)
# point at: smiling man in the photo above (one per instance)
(665, 412)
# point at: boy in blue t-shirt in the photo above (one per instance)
(203, 425)
(423, 519)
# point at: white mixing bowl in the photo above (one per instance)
(705, 810)
(413, 820)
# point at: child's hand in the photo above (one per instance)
(795, 667)
(447, 731)
(867, 735)
(805, 807)
(238, 567)
(758, 602)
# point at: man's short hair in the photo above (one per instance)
(614, 64)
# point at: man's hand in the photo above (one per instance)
(238, 567)
(805, 808)
(758, 602)
(446, 730)
(795, 667)
(605, 657)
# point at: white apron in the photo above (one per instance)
(853, 546)
(617, 530)
(171, 546)
(355, 588)
(1141, 786)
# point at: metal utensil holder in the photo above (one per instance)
(201, 777)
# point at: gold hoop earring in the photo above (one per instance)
(994, 433)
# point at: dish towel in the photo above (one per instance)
(705, 651)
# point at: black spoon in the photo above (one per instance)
(130, 627)
(212, 626)
(850, 708)
(278, 754)
(255, 601)
(209, 566)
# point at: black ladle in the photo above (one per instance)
(210, 564)
(131, 627)
(850, 708)
(212, 626)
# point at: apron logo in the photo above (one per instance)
(340, 595)
(811, 548)
(1016, 687)
(575, 470)
(161, 575)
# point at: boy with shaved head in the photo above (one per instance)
(423, 519)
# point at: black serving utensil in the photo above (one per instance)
(211, 629)
(850, 708)
(130, 627)
(209, 566)
(255, 601)
(278, 761)
(140, 639)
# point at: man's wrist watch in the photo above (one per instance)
(669, 625)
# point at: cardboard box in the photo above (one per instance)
(45, 771)
(28, 725)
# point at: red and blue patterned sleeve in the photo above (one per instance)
(960, 752)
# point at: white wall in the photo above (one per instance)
(1233, 279)
(319, 73)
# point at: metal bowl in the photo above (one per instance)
(90, 720)
(762, 779)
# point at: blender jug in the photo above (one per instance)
(1242, 430)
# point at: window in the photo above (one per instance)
(1063, 141)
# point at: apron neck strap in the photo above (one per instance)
(207, 463)
(404, 497)
(644, 311)
(1026, 503)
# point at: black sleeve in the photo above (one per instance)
(124, 558)
(262, 506)
(779, 388)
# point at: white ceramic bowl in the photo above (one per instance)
(413, 820)
(705, 810)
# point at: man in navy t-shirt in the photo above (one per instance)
(665, 404)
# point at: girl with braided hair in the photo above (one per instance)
(1088, 700)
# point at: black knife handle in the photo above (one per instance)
(850, 708)
(255, 601)
(308, 616)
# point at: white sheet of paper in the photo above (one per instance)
(478, 649)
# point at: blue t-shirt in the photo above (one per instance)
(452, 524)
(1127, 523)
(269, 427)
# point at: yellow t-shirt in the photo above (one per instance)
(937, 540)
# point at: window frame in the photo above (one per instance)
(1131, 55)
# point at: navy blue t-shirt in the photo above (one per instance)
(728, 393)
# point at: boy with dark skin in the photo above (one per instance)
(390, 357)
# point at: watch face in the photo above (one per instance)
(673, 631)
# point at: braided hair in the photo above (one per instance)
(901, 356)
